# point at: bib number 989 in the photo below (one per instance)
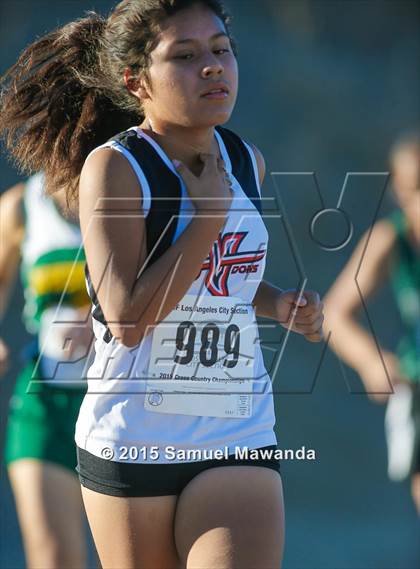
(208, 354)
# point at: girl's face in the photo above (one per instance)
(194, 55)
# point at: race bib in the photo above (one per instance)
(202, 359)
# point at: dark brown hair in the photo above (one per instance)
(66, 95)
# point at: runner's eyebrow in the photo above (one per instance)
(188, 40)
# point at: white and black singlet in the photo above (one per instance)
(197, 380)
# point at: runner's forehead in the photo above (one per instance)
(179, 31)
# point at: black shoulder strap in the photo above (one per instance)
(165, 190)
(242, 166)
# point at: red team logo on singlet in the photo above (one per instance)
(225, 259)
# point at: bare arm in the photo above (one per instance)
(302, 314)
(343, 302)
(146, 300)
(267, 295)
(11, 235)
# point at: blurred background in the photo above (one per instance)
(325, 87)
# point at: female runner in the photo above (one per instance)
(170, 212)
(392, 254)
(39, 449)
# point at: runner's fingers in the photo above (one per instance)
(310, 310)
(222, 168)
(310, 328)
(221, 164)
(209, 161)
(305, 314)
(227, 179)
(317, 337)
(309, 320)
(312, 297)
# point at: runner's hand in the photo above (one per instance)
(309, 313)
(211, 190)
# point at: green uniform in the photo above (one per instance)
(42, 419)
(405, 280)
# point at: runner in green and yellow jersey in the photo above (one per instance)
(40, 452)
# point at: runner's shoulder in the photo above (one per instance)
(107, 173)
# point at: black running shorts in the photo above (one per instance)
(139, 479)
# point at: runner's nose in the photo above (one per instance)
(212, 67)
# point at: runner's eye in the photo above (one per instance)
(184, 56)
(187, 56)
